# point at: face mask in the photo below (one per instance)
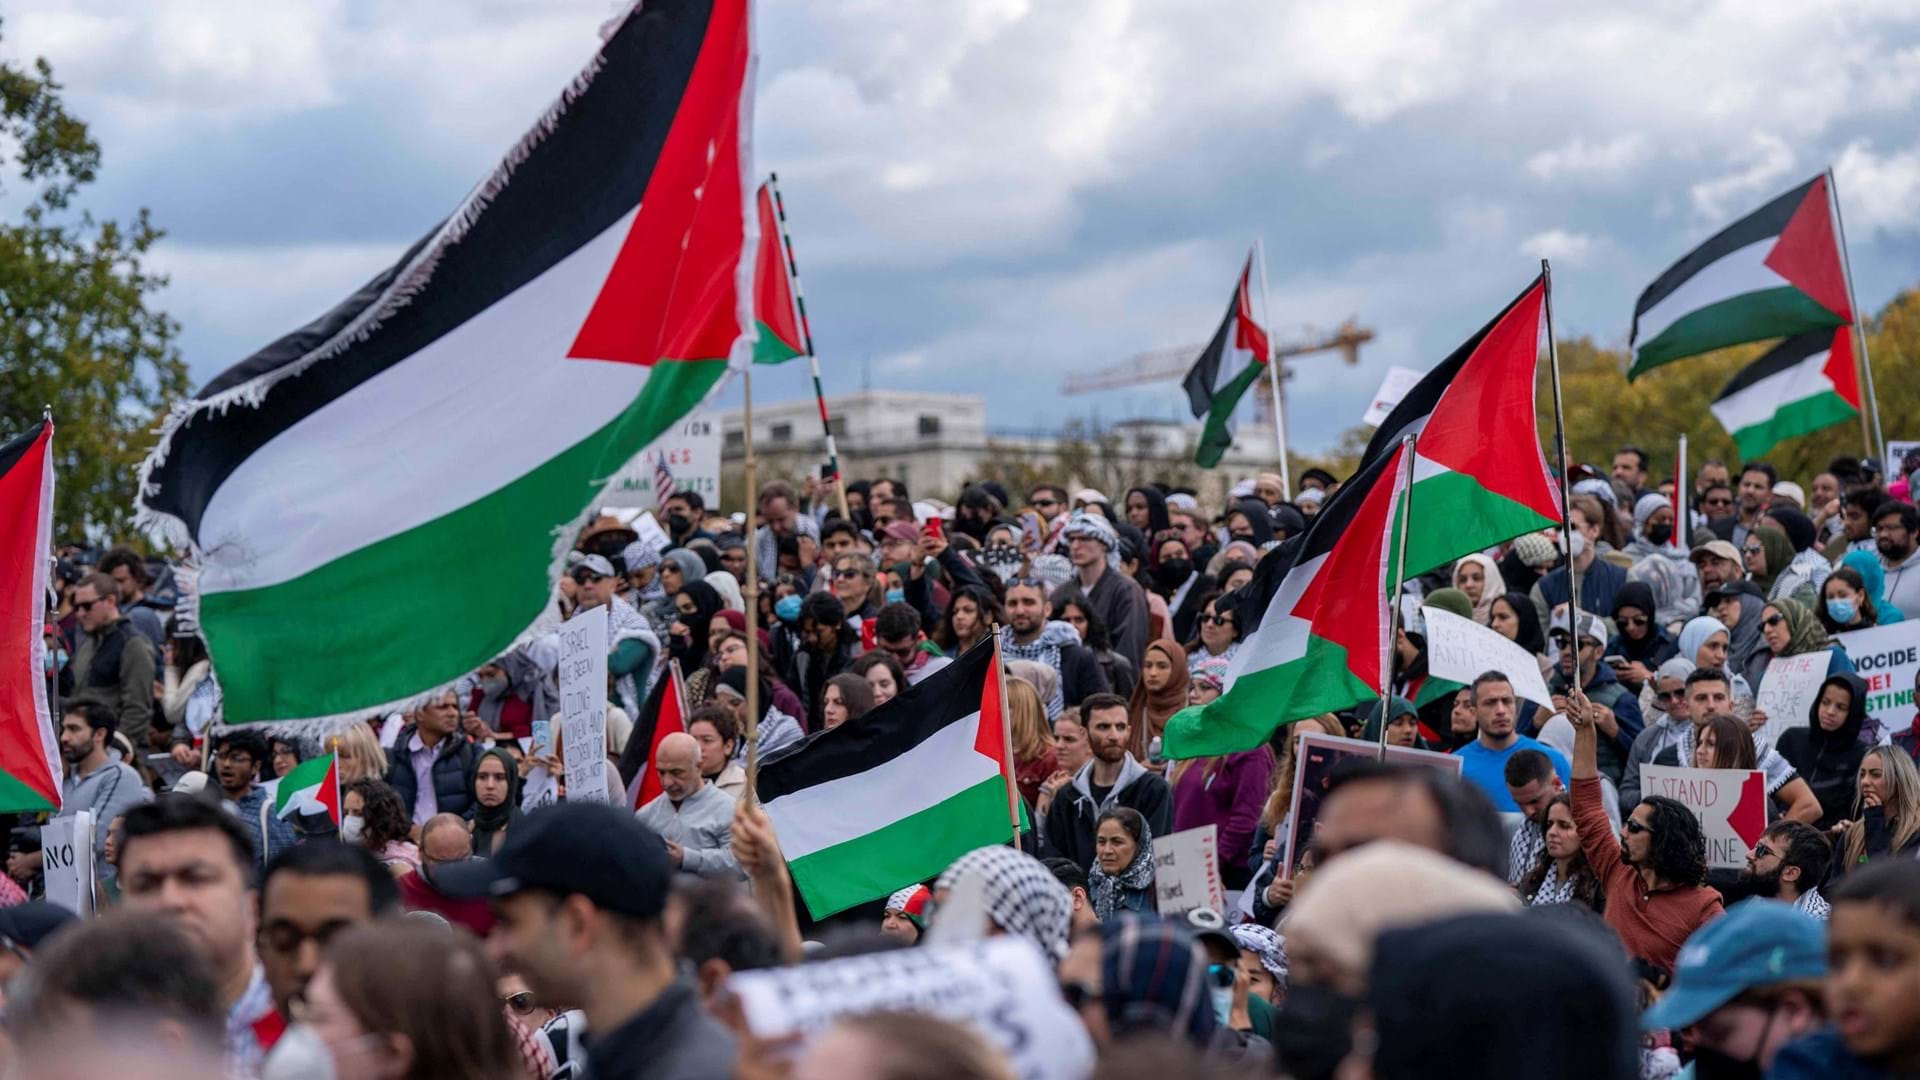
(787, 609)
(1172, 572)
(353, 828)
(678, 523)
(896, 596)
(300, 1054)
(1660, 533)
(1313, 1031)
(493, 687)
(1840, 609)
(1579, 543)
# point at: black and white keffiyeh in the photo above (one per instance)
(1023, 897)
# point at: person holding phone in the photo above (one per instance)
(1640, 644)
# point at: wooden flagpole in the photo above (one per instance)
(806, 335)
(1273, 376)
(1876, 440)
(1404, 472)
(1566, 480)
(1006, 737)
(750, 594)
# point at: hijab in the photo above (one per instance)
(488, 821)
(1106, 889)
(729, 589)
(1530, 636)
(1697, 632)
(1745, 638)
(1489, 592)
(1149, 711)
(706, 604)
(691, 567)
(1157, 518)
(1779, 553)
(1808, 635)
(1638, 596)
(1797, 527)
(1867, 565)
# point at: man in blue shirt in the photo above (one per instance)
(1484, 760)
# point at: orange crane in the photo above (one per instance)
(1163, 365)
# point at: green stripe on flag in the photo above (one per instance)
(1215, 439)
(1262, 700)
(1455, 515)
(1793, 419)
(914, 849)
(770, 349)
(1753, 316)
(17, 798)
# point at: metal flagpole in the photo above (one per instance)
(750, 594)
(1273, 376)
(1566, 481)
(1683, 503)
(1404, 475)
(806, 335)
(1876, 439)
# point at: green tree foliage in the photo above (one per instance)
(78, 332)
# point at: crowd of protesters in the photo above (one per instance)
(1536, 914)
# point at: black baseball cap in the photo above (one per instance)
(29, 924)
(600, 852)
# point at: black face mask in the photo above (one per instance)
(1660, 533)
(1246, 538)
(1313, 1032)
(677, 524)
(1171, 572)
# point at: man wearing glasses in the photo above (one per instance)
(1788, 865)
(311, 892)
(237, 756)
(113, 663)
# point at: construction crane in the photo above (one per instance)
(1162, 365)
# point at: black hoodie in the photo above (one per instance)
(1829, 761)
(1255, 512)
(1157, 518)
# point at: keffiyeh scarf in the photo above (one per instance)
(1023, 897)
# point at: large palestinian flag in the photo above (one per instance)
(29, 755)
(1774, 273)
(1801, 385)
(1479, 478)
(1231, 362)
(1321, 644)
(892, 798)
(379, 502)
(773, 291)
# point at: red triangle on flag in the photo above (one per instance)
(1840, 368)
(1808, 253)
(670, 717)
(1345, 602)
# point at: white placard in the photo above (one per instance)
(1461, 650)
(583, 704)
(1399, 380)
(1897, 451)
(1787, 691)
(1003, 988)
(692, 453)
(1730, 803)
(1888, 657)
(1186, 871)
(66, 854)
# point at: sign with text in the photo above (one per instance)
(1462, 650)
(1186, 871)
(1315, 755)
(1004, 988)
(1787, 692)
(66, 852)
(583, 704)
(1399, 380)
(691, 451)
(1730, 803)
(1888, 657)
(1897, 451)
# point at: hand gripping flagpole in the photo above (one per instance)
(750, 594)
(806, 336)
(1876, 440)
(1273, 377)
(1405, 477)
(1566, 480)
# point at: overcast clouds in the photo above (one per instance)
(989, 195)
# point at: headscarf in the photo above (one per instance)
(1745, 639)
(1085, 526)
(1808, 635)
(1255, 512)
(1638, 596)
(1678, 667)
(1696, 633)
(691, 567)
(489, 820)
(1023, 897)
(1599, 489)
(1530, 637)
(1148, 712)
(1157, 518)
(1675, 583)
(706, 604)
(1797, 526)
(1138, 874)
(1265, 943)
(1043, 678)
(729, 589)
(1779, 553)
(639, 556)
(1867, 565)
(1490, 591)
(911, 902)
(1153, 978)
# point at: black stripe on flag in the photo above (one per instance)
(1329, 525)
(1412, 412)
(947, 696)
(14, 449)
(1790, 353)
(1203, 381)
(1769, 220)
(612, 132)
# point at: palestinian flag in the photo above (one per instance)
(29, 753)
(313, 787)
(1322, 643)
(894, 797)
(1801, 385)
(1774, 273)
(664, 713)
(773, 291)
(1479, 478)
(1232, 361)
(466, 407)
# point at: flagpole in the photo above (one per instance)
(1273, 377)
(1399, 581)
(1876, 440)
(806, 336)
(1682, 520)
(1006, 736)
(750, 594)
(1560, 439)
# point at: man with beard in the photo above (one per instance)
(1111, 778)
(1857, 511)
(1788, 864)
(684, 512)
(1484, 760)
(1756, 494)
(1718, 563)
(1028, 635)
(781, 520)
(311, 892)
(1532, 783)
(237, 757)
(1895, 526)
(94, 782)
(1120, 601)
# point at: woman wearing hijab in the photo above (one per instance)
(1873, 578)
(1737, 605)
(1806, 569)
(1767, 554)
(1161, 692)
(1676, 588)
(1827, 751)
(494, 788)
(1479, 577)
(729, 589)
(1247, 522)
(695, 605)
(1176, 578)
(1789, 629)
(1640, 638)
(1121, 878)
(1147, 510)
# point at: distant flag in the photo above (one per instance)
(662, 479)
(1223, 371)
(781, 338)
(29, 754)
(664, 713)
(1801, 385)
(312, 787)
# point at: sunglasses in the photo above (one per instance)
(1634, 827)
(1670, 695)
(87, 605)
(585, 577)
(521, 1003)
(1754, 549)
(1720, 500)
(1217, 620)
(1773, 620)
(1046, 502)
(1634, 620)
(847, 573)
(1762, 851)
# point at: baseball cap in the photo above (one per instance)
(901, 530)
(1870, 466)
(29, 924)
(1792, 491)
(597, 851)
(1719, 549)
(1756, 943)
(596, 564)
(1592, 627)
(1207, 925)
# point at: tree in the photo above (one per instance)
(78, 333)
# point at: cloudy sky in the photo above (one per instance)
(990, 194)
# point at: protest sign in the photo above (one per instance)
(1787, 691)
(66, 852)
(583, 704)
(1462, 650)
(1888, 657)
(1897, 451)
(1399, 380)
(1186, 871)
(1315, 755)
(1004, 988)
(1730, 803)
(691, 452)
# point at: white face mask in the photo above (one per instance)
(1579, 543)
(352, 828)
(300, 1054)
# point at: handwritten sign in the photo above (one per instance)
(66, 852)
(1888, 657)
(1730, 803)
(691, 452)
(1186, 871)
(1787, 692)
(1461, 650)
(583, 704)
(1004, 988)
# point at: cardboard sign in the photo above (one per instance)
(1315, 756)
(1004, 988)
(1399, 380)
(691, 451)
(583, 704)
(1897, 451)
(1461, 650)
(1186, 871)
(1888, 657)
(1787, 692)
(66, 852)
(1730, 803)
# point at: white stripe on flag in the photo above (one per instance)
(1758, 403)
(1734, 274)
(1281, 637)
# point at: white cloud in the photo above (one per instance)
(1586, 160)
(1558, 245)
(1765, 162)
(1879, 192)
(252, 295)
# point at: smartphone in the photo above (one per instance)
(936, 527)
(542, 738)
(1616, 661)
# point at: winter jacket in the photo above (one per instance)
(115, 668)
(1598, 586)
(1229, 796)
(1604, 689)
(451, 768)
(1829, 761)
(1068, 833)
